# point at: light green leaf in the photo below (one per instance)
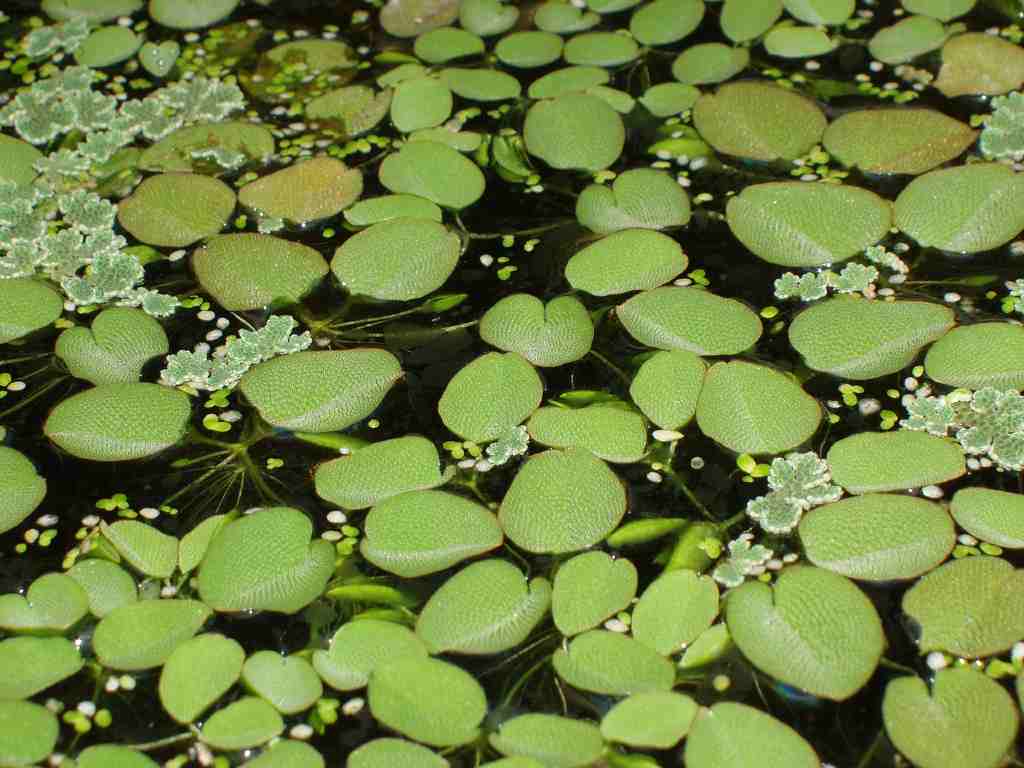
(854, 338)
(690, 319)
(972, 607)
(434, 171)
(423, 102)
(176, 152)
(249, 271)
(408, 18)
(978, 356)
(146, 549)
(107, 586)
(567, 80)
(22, 489)
(194, 544)
(744, 20)
(385, 753)
(600, 49)
(574, 131)
(142, 635)
(197, 673)
(112, 756)
(377, 209)
(991, 515)
(943, 10)
(247, 722)
(288, 753)
(662, 22)
(53, 603)
(965, 719)
(556, 742)
(529, 49)
(630, 260)
(917, 140)
(321, 391)
(444, 44)
(798, 42)
(421, 532)
(17, 160)
(115, 349)
(159, 60)
(905, 40)
(307, 191)
(666, 99)
(590, 588)
(613, 664)
(795, 224)
(562, 501)
(190, 14)
(107, 46)
(813, 629)
(33, 664)
(487, 17)
(379, 471)
(731, 735)
(397, 260)
(820, 11)
(355, 109)
(359, 647)
(96, 11)
(640, 198)
(674, 610)
(486, 608)
(28, 305)
(489, 396)
(289, 683)
(708, 63)
(878, 537)
(265, 562)
(656, 720)
(176, 209)
(979, 63)
(548, 335)
(739, 406)
(869, 462)
(759, 121)
(483, 85)
(28, 733)
(667, 386)
(564, 18)
(610, 432)
(399, 689)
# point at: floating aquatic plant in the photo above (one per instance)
(798, 482)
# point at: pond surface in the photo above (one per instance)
(622, 383)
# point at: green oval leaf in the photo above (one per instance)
(965, 719)
(96, 11)
(107, 46)
(28, 733)
(611, 432)
(674, 610)
(731, 735)
(657, 720)
(600, 49)
(667, 386)
(690, 319)
(355, 109)
(250, 271)
(146, 549)
(590, 588)
(739, 404)
(265, 562)
(359, 647)
(630, 260)
(812, 629)
(53, 603)
(820, 11)
(142, 635)
(489, 396)
(944, 10)
(321, 391)
(744, 20)
(483, 85)
(33, 664)
(979, 63)
(558, 742)
(759, 121)
(444, 44)
(798, 42)
(709, 63)
(567, 79)
(869, 462)
(486, 608)
(288, 754)
(916, 140)
(190, 14)
(967, 209)
(307, 191)
(979, 356)
(972, 607)
(247, 722)
(665, 21)
(197, 673)
(107, 586)
(562, 501)
(574, 131)
(384, 753)
(177, 152)
(17, 160)
(379, 471)
(641, 198)
(423, 102)
(613, 664)
(433, 171)
(796, 224)
(22, 489)
(398, 690)
(119, 422)
(408, 18)
(112, 756)
(548, 335)
(28, 306)
(289, 683)
(487, 17)
(387, 207)
(991, 515)
(397, 260)
(115, 349)
(423, 532)
(878, 537)
(529, 49)
(176, 209)
(854, 338)
(666, 99)
(905, 40)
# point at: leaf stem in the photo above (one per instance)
(150, 746)
(613, 368)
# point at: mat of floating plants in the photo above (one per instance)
(440, 384)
